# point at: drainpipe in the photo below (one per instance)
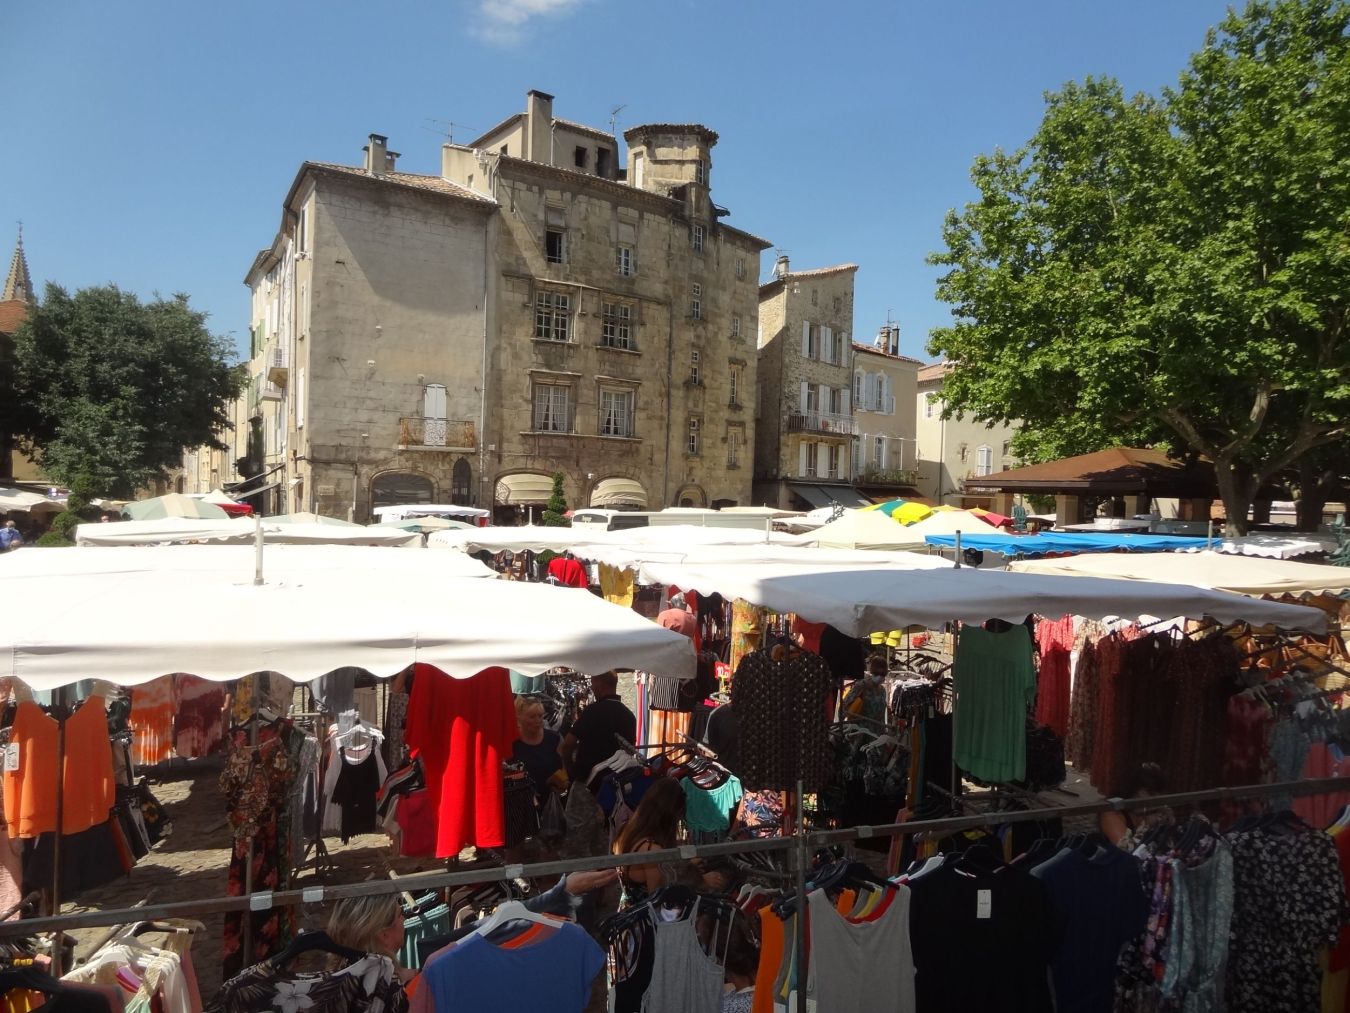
(670, 397)
(483, 379)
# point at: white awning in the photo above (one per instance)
(146, 612)
(613, 492)
(20, 501)
(1241, 574)
(524, 488)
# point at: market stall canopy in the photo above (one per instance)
(424, 525)
(148, 612)
(306, 517)
(236, 531)
(524, 488)
(1274, 546)
(402, 511)
(618, 492)
(174, 505)
(861, 529)
(21, 501)
(1240, 574)
(223, 500)
(948, 522)
(1065, 542)
(537, 538)
(858, 601)
(636, 556)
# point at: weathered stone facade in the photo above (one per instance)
(462, 337)
(805, 430)
(885, 458)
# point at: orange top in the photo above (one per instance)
(771, 940)
(88, 784)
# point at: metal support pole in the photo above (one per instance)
(257, 550)
(246, 927)
(58, 940)
(958, 550)
(799, 849)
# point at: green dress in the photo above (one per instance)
(995, 681)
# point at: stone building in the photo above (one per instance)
(539, 306)
(17, 297)
(885, 453)
(805, 427)
(954, 451)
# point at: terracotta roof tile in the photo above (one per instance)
(874, 350)
(934, 372)
(432, 184)
(1119, 469)
(13, 312)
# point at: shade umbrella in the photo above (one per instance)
(226, 502)
(903, 510)
(306, 517)
(20, 501)
(174, 505)
(989, 517)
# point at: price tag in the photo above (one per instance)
(12, 756)
(260, 901)
(984, 903)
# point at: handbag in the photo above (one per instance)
(552, 819)
(157, 823)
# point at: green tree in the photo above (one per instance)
(108, 391)
(556, 508)
(1170, 271)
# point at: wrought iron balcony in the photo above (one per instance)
(822, 422)
(417, 433)
(279, 364)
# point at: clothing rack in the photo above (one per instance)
(809, 842)
(324, 865)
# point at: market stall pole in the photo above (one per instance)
(58, 940)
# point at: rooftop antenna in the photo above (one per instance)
(445, 128)
(614, 116)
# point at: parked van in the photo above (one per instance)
(608, 520)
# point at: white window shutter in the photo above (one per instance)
(826, 344)
(804, 449)
(822, 458)
(843, 403)
(806, 338)
(802, 402)
(433, 401)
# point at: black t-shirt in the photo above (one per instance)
(541, 761)
(595, 729)
(1005, 917)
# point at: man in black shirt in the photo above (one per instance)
(591, 739)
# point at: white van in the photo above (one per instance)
(599, 518)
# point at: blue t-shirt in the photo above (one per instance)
(554, 974)
(8, 536)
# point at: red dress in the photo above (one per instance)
(462, 729)
(568, 572)
(1054, 637)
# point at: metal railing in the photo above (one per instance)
(417, 431)
(822, 422)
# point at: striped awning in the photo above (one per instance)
(523, 488)
(616, 492)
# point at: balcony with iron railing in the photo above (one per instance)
(418, 433)
(873, 476)
(822, 422)
(279, 364)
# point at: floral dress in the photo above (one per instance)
(367, 985)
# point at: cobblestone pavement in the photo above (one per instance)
(192, 863)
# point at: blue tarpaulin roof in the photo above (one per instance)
(1065, 542)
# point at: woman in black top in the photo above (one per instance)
(537, 747)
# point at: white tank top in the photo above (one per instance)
(861, 967)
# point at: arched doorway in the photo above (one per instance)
(461, 483)
(691, 496)
(401, 487)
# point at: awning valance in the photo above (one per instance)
(829, 495)
(614, 492)
(524, 488)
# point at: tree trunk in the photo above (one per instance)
(1236, 492)
(1312, 496)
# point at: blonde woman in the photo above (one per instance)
(372, 925)
(537, 747)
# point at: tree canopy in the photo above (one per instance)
(1172, 270)
(109, 391)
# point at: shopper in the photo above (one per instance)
(10, 537)
(1149, 780)
(538, 747)
(593, 736)
(654, 826)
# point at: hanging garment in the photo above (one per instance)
(462, 729)
(199, 726)
(354, 794)
(1079, 741)
(747, 629)
(1054, 641)
(684, 978)
(616, 585)
(553, 973)
(995, 681)
(862, 965)
(1005, 916)
(1288, 904)
(368, 985)
(88, 783)
(781, 711)
(152, 710)
(256, 783)
(1099, 905)
(709, 809)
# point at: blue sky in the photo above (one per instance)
(150, 143)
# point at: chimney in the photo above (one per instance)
(539, 127)
(780, 266)
(894, 345)
(377, 155)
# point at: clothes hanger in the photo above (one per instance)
(512, 910)
(308, 941)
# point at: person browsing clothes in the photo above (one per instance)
(592, 738)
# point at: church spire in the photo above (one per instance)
(18, 284)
